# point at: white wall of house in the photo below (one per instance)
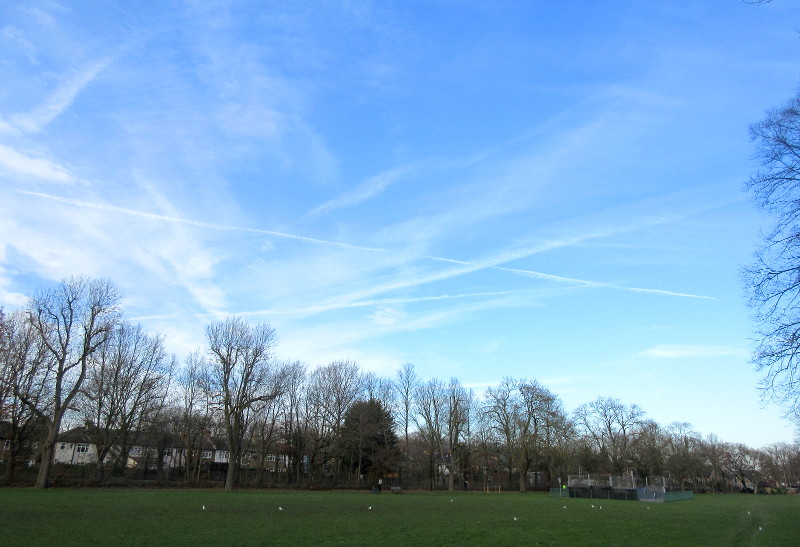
(85, 453)
(75, 453)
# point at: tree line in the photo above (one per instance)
(70, 357)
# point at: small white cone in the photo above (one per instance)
(204, 508)
(280, 508)
(369, 508)
(515, 518)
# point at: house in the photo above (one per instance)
(28, 450)
(153, 450)
(75, 447)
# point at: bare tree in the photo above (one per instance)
(523, 413)
(744, 464)
(560, 441)
(489, 448)
(330, 392)
(781, 460)
(196, 412)
(611, 427)
(431, 420)
(125, 390)
(6, 367)
(292, 414)
(378, 388)
(459, 407)
(241, 376)
(684, 455)
(405, 386)
(650, 449)
(265, 431)
(773, 280)
(73, 320)
(713, 452)
(23, 359)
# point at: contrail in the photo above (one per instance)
(213, 226)
(60, 100)
(315, 241)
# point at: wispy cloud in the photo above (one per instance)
(17, 37)
(385, 302)
(492, 262)
(666, 351)
(58, 101)
(39, 168)
(213, 226)
(9, 298)
(366, 190)
(566, 380)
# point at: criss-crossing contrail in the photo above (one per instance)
(471, 266)
(210, 225)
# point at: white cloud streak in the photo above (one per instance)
(39, 168)
(386, 302)
(58, 101)
(666, 351)
(212, 226)
(366, 190)
(467, 267)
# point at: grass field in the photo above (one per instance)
(176, 517)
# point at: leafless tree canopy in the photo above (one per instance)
(773, 280)
(241, 376)
(72, 321)
(125, 390)
(232, 412)
(526, 417)
(610, 426)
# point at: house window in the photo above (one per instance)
(166, 452)
(206, 453)
(7, 445)
(82, 448)
(136, 450)
(270, 457)
(253, 456)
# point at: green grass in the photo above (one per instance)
(175, 517)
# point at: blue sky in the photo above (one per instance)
(550, 190)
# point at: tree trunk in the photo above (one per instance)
(523, 478)
(431, 471)
(48, 453)
(233, 468)
(11, 463)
